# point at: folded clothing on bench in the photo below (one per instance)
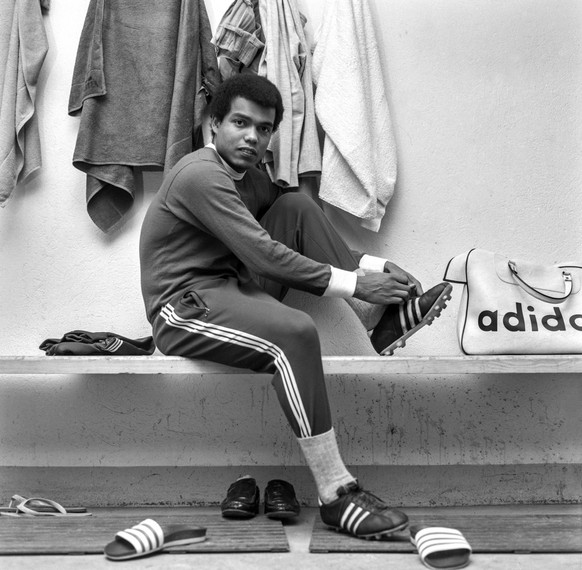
(80, 342)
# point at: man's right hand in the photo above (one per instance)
(383, 288)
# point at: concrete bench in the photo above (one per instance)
(377, 365)
(133, 482)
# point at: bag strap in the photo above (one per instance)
(566, 276)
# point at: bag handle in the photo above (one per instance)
(566, 276)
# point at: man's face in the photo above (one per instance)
(242, 137)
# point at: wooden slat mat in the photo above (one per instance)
(89, 535)
(485, 533)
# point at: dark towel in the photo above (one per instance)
(76, 343)
(141, 79)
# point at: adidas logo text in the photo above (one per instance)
(517, 321)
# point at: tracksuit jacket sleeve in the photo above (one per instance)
(207, 198)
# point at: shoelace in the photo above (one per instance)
(366, 499)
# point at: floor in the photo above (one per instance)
(299, 557)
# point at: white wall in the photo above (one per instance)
(486, 100)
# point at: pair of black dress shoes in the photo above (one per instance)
(243, 498)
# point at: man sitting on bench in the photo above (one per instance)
(221, 245)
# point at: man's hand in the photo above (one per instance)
(383, 288)
(392, 268)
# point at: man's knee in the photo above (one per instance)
(300, 332)
(298, 202)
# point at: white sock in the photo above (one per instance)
(369, 314)
(323, 457)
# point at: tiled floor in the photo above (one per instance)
(299, 557)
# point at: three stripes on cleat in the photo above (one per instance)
(411, 317)
(353, 518)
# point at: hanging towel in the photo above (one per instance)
(141, 77)
(294, 149)
(359, 154)
(23, 47)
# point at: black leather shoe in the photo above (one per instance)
(242, 499)
(280, 500)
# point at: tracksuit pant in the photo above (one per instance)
(246, 325)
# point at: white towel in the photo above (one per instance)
(359, 155)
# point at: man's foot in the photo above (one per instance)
(361, 514)
(399, 322)
(242, 499)
(280, 500)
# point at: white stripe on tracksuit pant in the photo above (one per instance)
(242, 326)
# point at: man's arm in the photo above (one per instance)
(373, 264)
(204, 195)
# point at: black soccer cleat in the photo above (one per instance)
(399, 322)
(361, 514)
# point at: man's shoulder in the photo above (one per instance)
(201, 158)
(195, 171)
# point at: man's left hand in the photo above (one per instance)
(390, 267)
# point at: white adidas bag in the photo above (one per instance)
(517, 307)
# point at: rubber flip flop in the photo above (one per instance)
(148, 537)
(441, 547)
(38, 506)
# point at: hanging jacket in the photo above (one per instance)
(239, 39)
